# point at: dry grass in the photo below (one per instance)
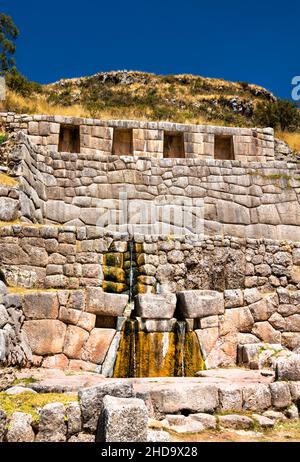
(7, 180)
(292, 139)
(38, 105)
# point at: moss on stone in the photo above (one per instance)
(30, 402)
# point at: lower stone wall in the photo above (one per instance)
(34, 256)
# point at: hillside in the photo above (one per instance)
(140, 95)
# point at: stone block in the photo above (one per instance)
(104, 303)
(230, 397)
(52, 423)
(256, 397)
(238, 422)
(74, 340)
(281, 396)
(45, 337)
(200, 303)
(288, 368)
(8, 209)
(40, 305)
(123, 420)
(97, 345)
(233, 298)
(91, 400)
(152, 306)
(20, 429)
(192, 397)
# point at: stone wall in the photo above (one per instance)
(247, 271)
(96, 136)
(34, 256)
(14, 346)
(224, 197)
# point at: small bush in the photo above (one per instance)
(281, 114)
(21, 85)
(3, 138)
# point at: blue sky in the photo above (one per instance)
(255, 41)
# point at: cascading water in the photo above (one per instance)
(158, 354)
(130, 247)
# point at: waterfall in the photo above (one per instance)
(158, 354)
(182, 329)
(130, 246)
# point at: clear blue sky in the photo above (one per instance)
(255, 41)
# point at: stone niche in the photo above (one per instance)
(69, 139)
(173, 145)
(224, 149)
(122, 142)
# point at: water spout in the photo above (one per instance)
(130, 246)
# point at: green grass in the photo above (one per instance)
(30, 403)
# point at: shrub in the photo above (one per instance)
(280, 114)
(3, 138)
(21, 85)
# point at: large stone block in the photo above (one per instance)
(123, 420)
(288, 368)
(8, 209)
(91, 400)
(74, 340)
(45, 337)
(256, 397)
(200, 303)
(194, 397)
(104, 303)
(40, 305)
(52, 423)
(152, 306)
(281, 396)
(97, 345)
(20, 429)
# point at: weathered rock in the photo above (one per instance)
(8, 209)
(7, 378)
(292, 412)
(275, 415)
(230, 397)
(154, 436)
(263, 421)
(295, 390)
(252, 295)
(91, 400)
(17, 390)
(266, 332)
(123, 420)
(256, 397)
(20, 429)
(288, 368)
(208, 421)
(52, 425)
(200, 303)
(82, 438)
(59, 361)
(104, 303)
(280, 393)
(236, 320)
(236, 421)
(2, 424)
(45, 336)
(73, 414)
(40, 305)
(152, 306)
(74, 340)
(168, 400)
(233, 298)
(97, 345)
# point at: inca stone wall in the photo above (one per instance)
(238, 199)
(96, 136)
